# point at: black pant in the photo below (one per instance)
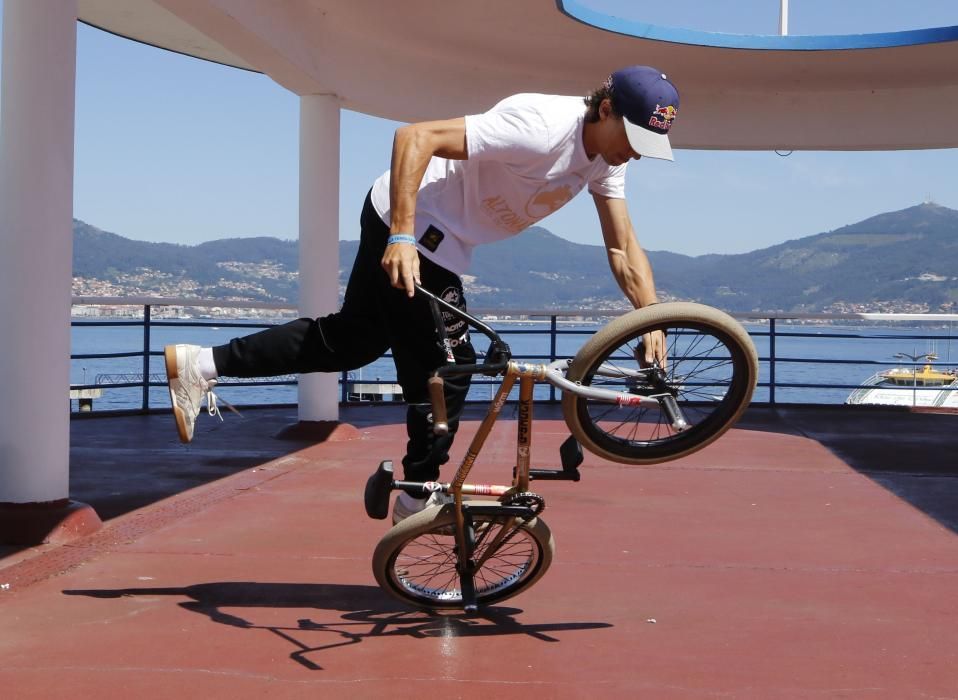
(374, 317)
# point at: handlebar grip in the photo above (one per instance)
(440, 423)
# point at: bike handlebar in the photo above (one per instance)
(498, 351)
(456, 311)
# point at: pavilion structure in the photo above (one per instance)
(413, 60)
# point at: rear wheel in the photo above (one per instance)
(711, 372)
(416, 560)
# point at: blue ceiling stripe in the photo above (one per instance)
(643, 30)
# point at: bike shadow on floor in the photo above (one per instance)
(368, 612)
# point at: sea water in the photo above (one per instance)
(836, 357)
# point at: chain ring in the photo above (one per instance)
(527, 499)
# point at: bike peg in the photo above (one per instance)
(674, 413)
(378, 488)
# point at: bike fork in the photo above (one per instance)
(513, 516)
(467, 566)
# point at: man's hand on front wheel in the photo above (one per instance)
(652, 351)
(401, 263)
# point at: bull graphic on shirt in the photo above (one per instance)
(546, 201)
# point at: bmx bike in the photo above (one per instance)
(477, 552)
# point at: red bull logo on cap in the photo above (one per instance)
(662, 117)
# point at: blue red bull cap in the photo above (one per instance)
(648, 103)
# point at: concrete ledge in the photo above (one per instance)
(56, 522)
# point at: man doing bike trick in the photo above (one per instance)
(452, 185)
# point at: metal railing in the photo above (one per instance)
(773, 360)
(766, 331)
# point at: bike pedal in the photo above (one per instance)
(570, 454)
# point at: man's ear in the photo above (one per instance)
(605, 108)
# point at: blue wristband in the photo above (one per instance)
(401, 238)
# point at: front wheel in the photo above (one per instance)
(711, 372)
(416, 560)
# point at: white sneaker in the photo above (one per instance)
(187, 388)
(407, 505)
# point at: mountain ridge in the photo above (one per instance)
(904, 260)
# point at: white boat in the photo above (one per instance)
(927, 387)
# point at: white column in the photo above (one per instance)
(783, 18)
(36, 247)
(318, 238)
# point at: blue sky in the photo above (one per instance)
(174, 149)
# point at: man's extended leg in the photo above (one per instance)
(351, 338)
(348, 339)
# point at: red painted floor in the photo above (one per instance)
(765, 566)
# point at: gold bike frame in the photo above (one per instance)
(528, 375)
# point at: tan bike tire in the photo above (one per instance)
(680, 320)
(424, 543)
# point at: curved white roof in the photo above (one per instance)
(421, 59)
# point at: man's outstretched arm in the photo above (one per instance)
(630, 266)
(628, 261)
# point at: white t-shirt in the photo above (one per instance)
(526, 159)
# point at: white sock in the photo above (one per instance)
(207, 365)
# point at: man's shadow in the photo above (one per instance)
(368, 612)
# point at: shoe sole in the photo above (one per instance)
(169, 354)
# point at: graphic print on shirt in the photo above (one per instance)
(548, 199)
(501, 213)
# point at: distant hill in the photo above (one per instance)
(903, 257)
(906, 259)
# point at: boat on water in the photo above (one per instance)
(925, 387)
